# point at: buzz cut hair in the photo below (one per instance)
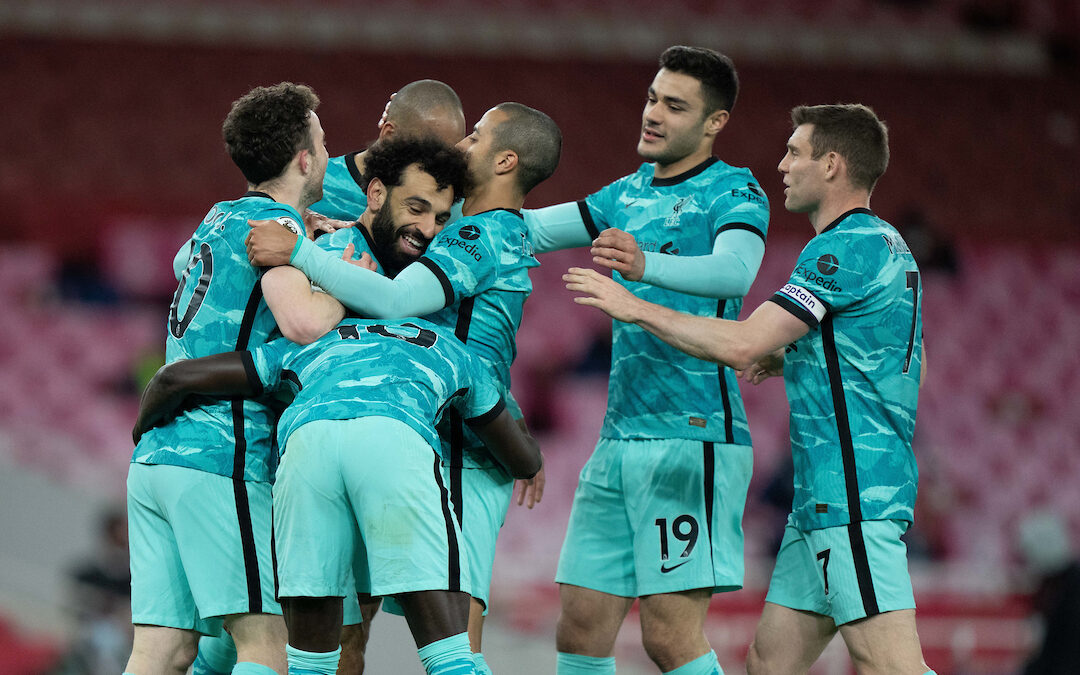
(534, 137)
(854, 132)
(267, 126)
(417, 102)
(715, 71)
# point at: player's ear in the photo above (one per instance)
(834, 165)
(376, 194)
(716, 121)
(505, 161)
(386, 130)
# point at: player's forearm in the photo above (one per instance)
(727, 272)
(228, 374)
(553, 228)
(706, 338)
(367, 292)
(516, 451)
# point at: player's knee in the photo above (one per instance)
(670, 646)
(755, 661)
(183, 656)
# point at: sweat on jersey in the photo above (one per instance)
(218, 307)
(853, 380)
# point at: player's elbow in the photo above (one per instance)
(738, 357)
(303, 330)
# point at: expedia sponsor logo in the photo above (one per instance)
(752, 193)
(821, 280)
(469, 232)
(471, 249)
(828, 264)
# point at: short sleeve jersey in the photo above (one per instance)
(853, 380)
(218, 307)
(344, 197)
(657, 391)
(483, 262)
(409, 370)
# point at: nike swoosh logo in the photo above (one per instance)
(664, 569)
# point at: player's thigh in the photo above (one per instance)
(787, 641)
(314, 528)
(222, 539)
(589, 620)
(686, 513)
(411, 535)
(598, 551)
(863, 568)
(157, 650)
(485, 498)
(258, 637)
(885, 643)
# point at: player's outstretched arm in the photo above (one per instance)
(515, 450)
(737, 344)
(228, 374)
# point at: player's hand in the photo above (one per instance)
(269, 243)
(365, 260)
(603, 292)
(531, 490)
(317, 222)
(618, 250)
(768, 366)
(157, 405)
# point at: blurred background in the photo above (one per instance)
(111, 153)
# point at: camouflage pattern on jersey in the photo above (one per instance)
(218, 307)
(409, 370)
(483, 264)
(344, 197)
(657, 391)
(337, 241)
(853, 380)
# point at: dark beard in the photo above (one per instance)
(384, 239)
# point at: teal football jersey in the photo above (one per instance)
(409, 370)
(657, 391)
(219, 307)
(337, 241)
(853, 380)
(344, 196)
(483, 263)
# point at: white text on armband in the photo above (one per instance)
(805, 299)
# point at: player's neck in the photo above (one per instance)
(832, 208)
(683, 165)
(493, 195)
(283, 192)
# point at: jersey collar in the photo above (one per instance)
(852, 212)
(258, 193)
(685, 175)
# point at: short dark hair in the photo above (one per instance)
(387, 161)
(267, 126)
(854, 132)
(534, 137)
(715, 72)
